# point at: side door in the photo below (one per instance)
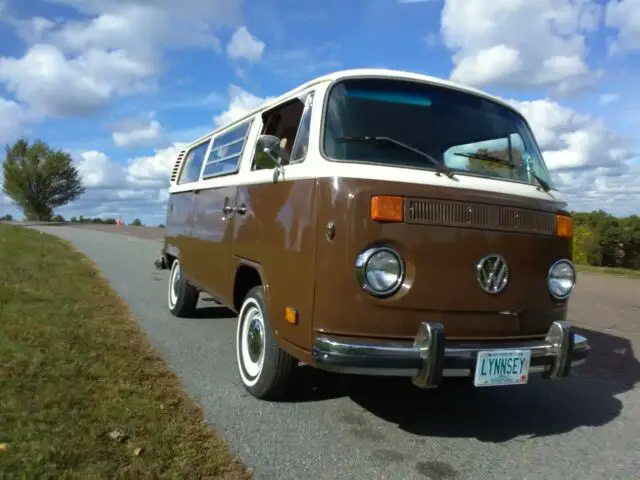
(183, 207)
(215, 210)
(275, 225)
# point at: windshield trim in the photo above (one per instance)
(336, 82)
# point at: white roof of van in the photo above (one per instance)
(361, 72)
(406, 75)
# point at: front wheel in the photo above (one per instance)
(182, 297)
(265, 369)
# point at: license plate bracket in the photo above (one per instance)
(502, 367)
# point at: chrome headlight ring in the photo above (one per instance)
(561, 279)
(366, 271)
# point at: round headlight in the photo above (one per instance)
(380, 271)
(561, 279)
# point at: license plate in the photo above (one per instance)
(502, 367)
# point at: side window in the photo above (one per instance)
(226, 151)
(193, 164)
(290, 123)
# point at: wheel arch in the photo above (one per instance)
(248, 274)
(171, 253)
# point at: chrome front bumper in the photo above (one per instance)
(430, 356)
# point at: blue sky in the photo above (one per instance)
(121, 84)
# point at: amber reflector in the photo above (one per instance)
(386, 208)
(564, 226)
(291, 315)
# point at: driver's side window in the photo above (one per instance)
(288, 125)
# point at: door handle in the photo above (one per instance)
(242, 209)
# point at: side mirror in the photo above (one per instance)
(270, 145)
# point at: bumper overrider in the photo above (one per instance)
(430, 356)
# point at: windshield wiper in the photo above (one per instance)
(440, 167)
(490, 158)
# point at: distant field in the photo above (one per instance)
(82, 392)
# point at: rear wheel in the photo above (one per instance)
(182, 297)
(265, 369)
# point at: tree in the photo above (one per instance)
(40, 179)
(136, 223)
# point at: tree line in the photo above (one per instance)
(604, 240)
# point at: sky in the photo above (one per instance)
(123, 84)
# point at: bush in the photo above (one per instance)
(600, 239)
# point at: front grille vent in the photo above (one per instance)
(475, 215)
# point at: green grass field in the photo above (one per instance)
(82, 392)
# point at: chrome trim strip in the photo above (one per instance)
(539, 348)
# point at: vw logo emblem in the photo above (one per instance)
(492, 273)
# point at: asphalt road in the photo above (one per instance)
(585, 427)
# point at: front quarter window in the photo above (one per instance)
(469, 134)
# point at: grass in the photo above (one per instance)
(615, 271)
(82, 392)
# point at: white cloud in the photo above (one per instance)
(614, 190)
(132, 133)
(520, 43)
(153, 171)
(624, 15)
(98, 171)
(243, 45)
(570, 140)
(240, 103)
(12, 120)
(53, 85)
(75, 67)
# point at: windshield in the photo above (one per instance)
(448, 125)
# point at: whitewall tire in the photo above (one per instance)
(182, 297)
(266, 371)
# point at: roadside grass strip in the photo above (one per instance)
(614, 271)
(82, 392)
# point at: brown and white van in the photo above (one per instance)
(381, 223)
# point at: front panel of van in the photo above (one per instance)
(440, 246)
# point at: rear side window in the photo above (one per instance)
(226, 151)
(193, 164)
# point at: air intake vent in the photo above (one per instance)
(473, 215)
(177, 165)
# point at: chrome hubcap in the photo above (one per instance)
(255, 341)
(176, 282)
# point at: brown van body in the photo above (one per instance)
(279, 243)
(283, 235)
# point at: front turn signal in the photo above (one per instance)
(564, 226)
(386, 208)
